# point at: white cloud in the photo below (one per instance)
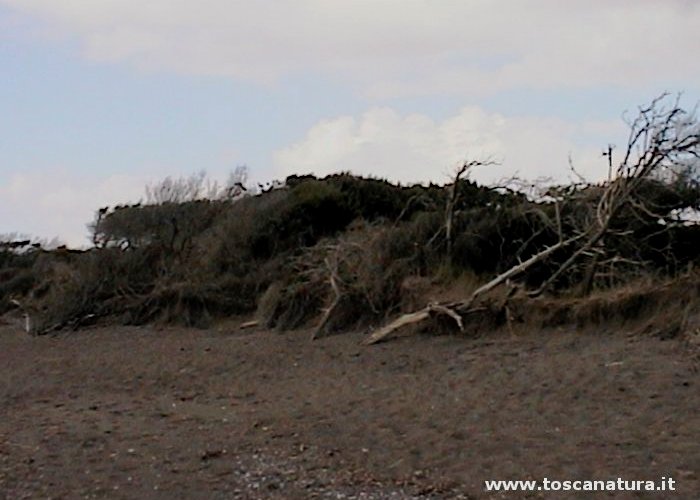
(58, 203)
(384, 48)
(392, 47)
(410, 148)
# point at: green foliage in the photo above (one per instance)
(313, 209)
(16, 275)
(193, 261)
(171, 226)
(491, 239)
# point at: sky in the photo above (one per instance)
(100, 98)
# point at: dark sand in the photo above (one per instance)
(141, 413)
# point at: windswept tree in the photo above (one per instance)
(598, 224)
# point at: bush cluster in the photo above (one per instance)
(343, 241)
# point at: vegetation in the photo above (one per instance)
(345, 251)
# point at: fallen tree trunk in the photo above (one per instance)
(457, 310)
(663, 142)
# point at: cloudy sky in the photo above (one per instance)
(99, 98)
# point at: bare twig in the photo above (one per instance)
(661, 139)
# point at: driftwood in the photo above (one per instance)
(662, 142)
(406, 319)
(457, 310)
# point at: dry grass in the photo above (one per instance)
(662, 307)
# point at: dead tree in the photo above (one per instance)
(452, 198)
(663, 146)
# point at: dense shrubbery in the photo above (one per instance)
(351, 250)
(17, 276)
(355, 245)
